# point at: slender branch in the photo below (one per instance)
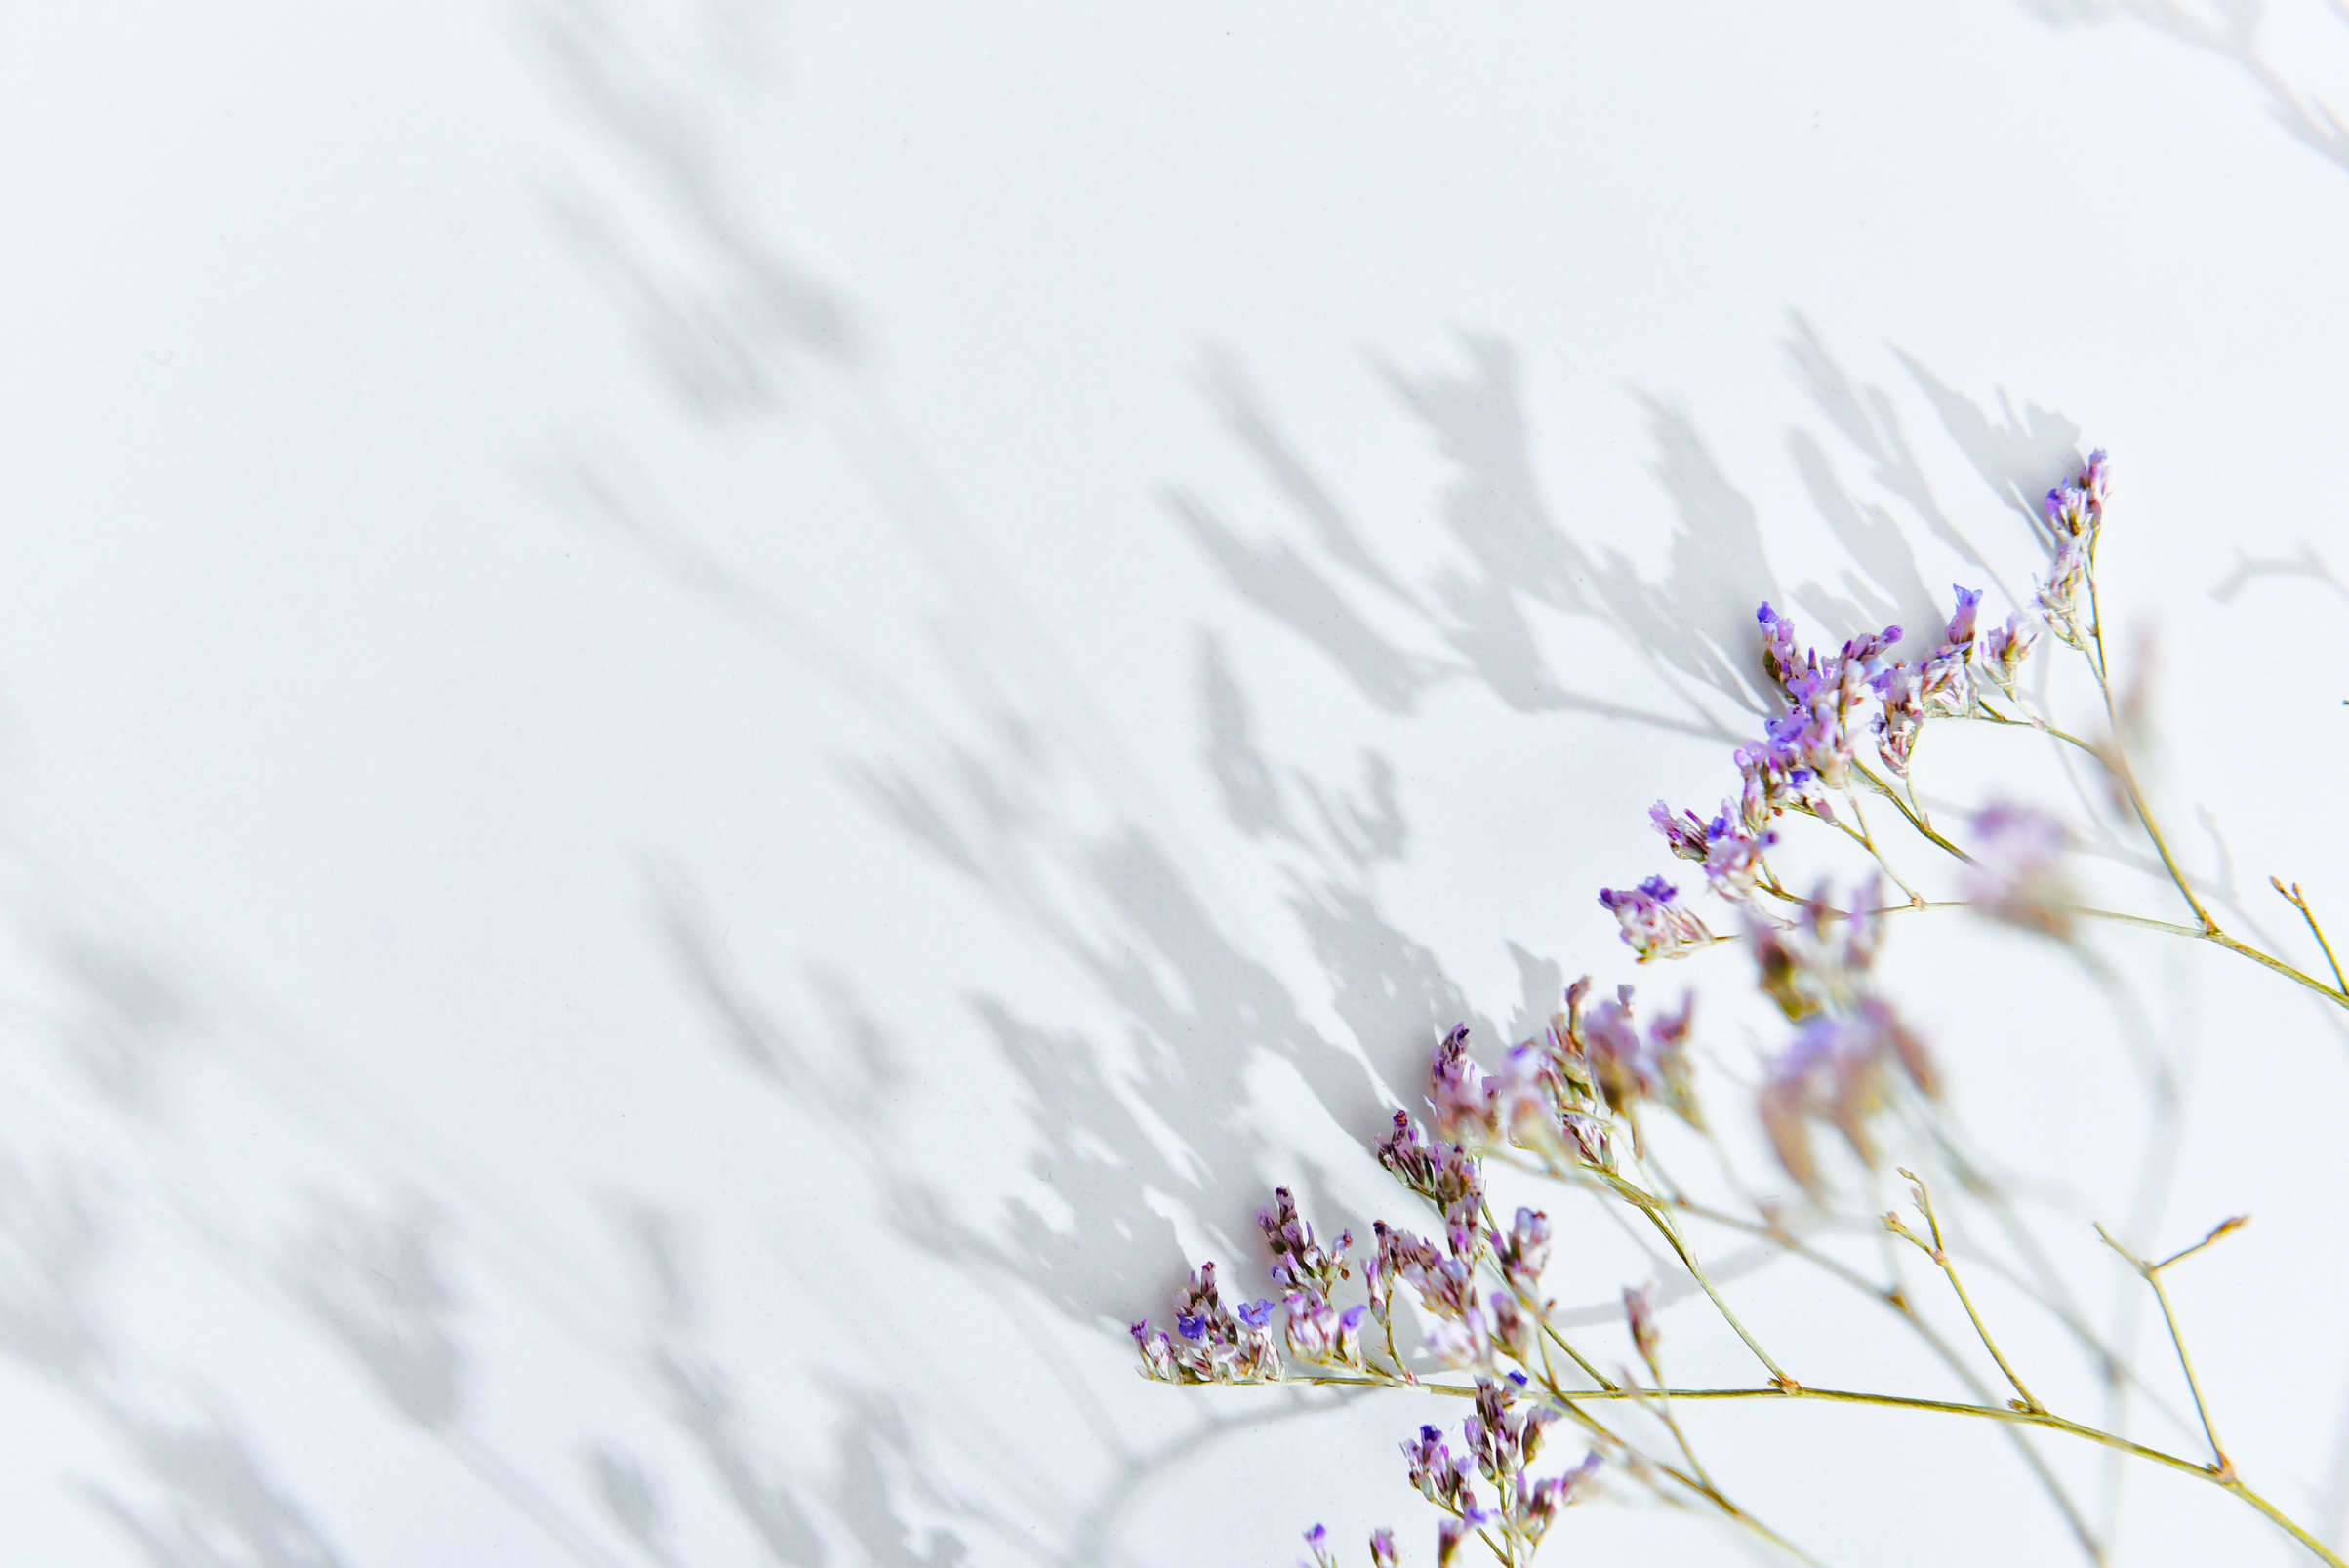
(1914, 821)
(2151, 1274)
(1876, 849)
(1981, 1412)
(2293, 897)
(1648, 1205)
(1939, 1253)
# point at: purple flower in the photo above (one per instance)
(1733, 855)
(1901, 692)
(1730, 847)
(2077, 510)
(1300, 1263)
(1654, 921)
(2004, 651)
(1382, 1550)
(1686, 833)
(1157, 1354)
(1319, 1333)
(1436, 1473)
(1464, 1101)
(1778, 657)
(1216, 1346)
(1447, 1176)
(1523, 1252)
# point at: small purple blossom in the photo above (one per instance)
(1447, 1176)
(1523, 1252)
(1216, 1346)
(1656, 923)
(2003, 650)
(1319, 1333)
(1317, 1540)
(1686, 833)
(1463, 1101)
(1730, 847)
(1438, 1475)
(1778, 657)
(1382, 1550)
(1945, 682)
(1300, 1263)
(2077, 510)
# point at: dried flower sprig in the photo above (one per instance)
(1570, 1107)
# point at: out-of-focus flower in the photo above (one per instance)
(1628, 1069)
(1540, 1501)
(1317, 1539)
(1820, 960)
(1639, 1314)
(2016, 875)
(2059, 598)
(1655, 922)
(1837, 1070)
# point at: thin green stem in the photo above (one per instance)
(1876, 849)
(1914, 819)
(2151, 1274)
(1948, 1407)
(1938, 1251)
(2293, 897)
(1648, 1204)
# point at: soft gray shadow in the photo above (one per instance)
(226, 1512)
(1515, 567)
(2227, 32)
(376, 1284)
(2249, 569)
(723, 314)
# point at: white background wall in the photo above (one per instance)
(717, 723)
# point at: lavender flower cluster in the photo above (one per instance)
(1811, 751)
(1569, 1104)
